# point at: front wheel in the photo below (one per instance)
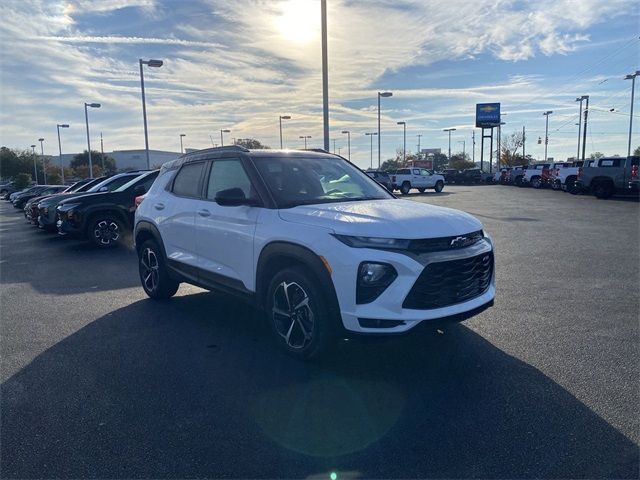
(439, 186)
(105, 231)
(405, 187)
(154, 277)
(536, 182)
(298, 315)
(603, 190)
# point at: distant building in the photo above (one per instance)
(430, 151)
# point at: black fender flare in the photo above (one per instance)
(300, 255)
(149, 230)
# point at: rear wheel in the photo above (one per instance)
(106, 230)
(570, 184)
(536, 182)
(603, 190)
(155, 279)
(439, 186)
(405, 187)
(297, 312)
(518, 181)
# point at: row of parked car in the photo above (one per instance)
(603, 177)
(98, 209)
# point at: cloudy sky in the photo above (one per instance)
(239, 64)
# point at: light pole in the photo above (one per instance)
(153, 64)
(418, 152)
(305, 139)
(35, 165)
(371, 135)
(181, 148)
(584, 128)
(632, 77)
(546, 132)
(580, 99)
(348, 143)
(380, 94)
(222, 137)
(288, 117)
(86, 119)
(464, 146)
(325, 75)
(59, 126)
(449, 130)
(404, 142)
(473, 141)
(102, 152)
(44, 167)
(334, 145)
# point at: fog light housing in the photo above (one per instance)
(373, 279)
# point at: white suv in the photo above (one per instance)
(313, 241)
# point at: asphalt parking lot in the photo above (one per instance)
(99, 381)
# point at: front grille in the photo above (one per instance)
(446, 283)
(439, 244)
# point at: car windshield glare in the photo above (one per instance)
(299, 180)
(131, 182)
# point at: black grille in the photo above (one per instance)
(446, 283)
(439, 244)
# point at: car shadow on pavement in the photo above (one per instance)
(192, 387)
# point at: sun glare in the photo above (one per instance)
(299, 20)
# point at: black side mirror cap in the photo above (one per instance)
(139, 190)
(233, 197)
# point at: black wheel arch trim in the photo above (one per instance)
(95, 210)
(302, 255)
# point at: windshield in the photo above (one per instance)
(296, 181)
(112, 183)
(135, 180)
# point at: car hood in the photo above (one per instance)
(58, 197)
(393, 218)
(85, 196)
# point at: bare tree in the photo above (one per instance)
(509, 150)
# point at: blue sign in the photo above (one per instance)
(487, 115)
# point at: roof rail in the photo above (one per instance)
(319, 150)
(227, 148)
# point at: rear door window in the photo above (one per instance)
(187, 181)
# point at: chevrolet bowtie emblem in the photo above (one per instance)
(459, 242)
(487, 108)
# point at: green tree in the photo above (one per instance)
(460, 162)
(54, 178)
(82, 160)
(22, 180)
(596, 155)
(636, 152)
(251, 143)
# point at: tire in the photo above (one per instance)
(603, 190)
(556, 185)
(439, 186)
(570, 183)
(297, 313)
(536, 182)
(405, 187)
(155, 279)
(421, 190)
(518, 181)
(105, 230)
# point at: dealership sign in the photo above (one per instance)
(487, 115)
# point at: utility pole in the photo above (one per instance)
(473, 139)
(631, 77)
(584, 131)
(404, 141)
(325, 75)
(334, 145)
(102, 152)
(524, 140)
(579, 99)
(418, 152)
(348, 143)
(546, 131)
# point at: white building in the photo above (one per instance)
(128, 159)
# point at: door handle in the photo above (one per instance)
(204, 213)
(159, 206)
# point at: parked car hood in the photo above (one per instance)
(58, 197)
(393, 218)
(85, 196)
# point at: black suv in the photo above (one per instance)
(381, 177)
(471, 175)
(103, 217)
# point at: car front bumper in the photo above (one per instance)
(386, 314)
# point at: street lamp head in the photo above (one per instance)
(226, 131)
(92, 105)
(33, 146)
(385, 94)
(41, 139)
(153, 63)
(183, 134)
(548, 112)
(64, 125)
(285, 117)
(402, 123)
(346, 131)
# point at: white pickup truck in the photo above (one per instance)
(566, 177)
(404, 179)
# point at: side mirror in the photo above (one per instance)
(103, 189)
(233, 197)
(139, 190)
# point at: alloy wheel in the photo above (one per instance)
(292, 315)
(106, 232)
(150, 274)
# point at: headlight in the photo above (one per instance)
(373, 242)
(373, 279)
(65, 207)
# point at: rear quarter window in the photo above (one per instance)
(187, 181)
(610, 163)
